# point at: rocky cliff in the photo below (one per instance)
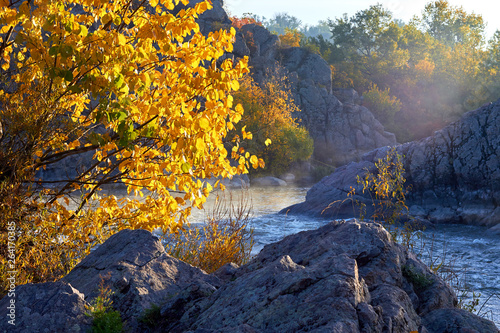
(342, 129)
(347, 276)
(453, 176)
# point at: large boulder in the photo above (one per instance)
(456, 321)
(347, 276)
(454, 175)
(135, 266)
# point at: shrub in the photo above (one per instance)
(225, 238)
(105, 319)
(269, 116)
(291, 38)
(382, 104)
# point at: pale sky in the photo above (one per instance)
(311, 11)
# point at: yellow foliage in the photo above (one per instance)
(269, 115)
(291, 38)
(136, 87)
(225, 238)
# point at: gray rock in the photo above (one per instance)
(454, 175)
(52, 307)
(347, 95)
(237, 181)
(307, 65)
(138, 271)
(288, 177)
(210, 20)
(457, 321)
(344, 277)
(261, 43)
(268, 181)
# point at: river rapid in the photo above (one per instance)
(466, 252)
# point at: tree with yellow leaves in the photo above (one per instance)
(270, 116)
(291, 38)
(133, 86)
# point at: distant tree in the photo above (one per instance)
(452, 25)
(282, 21)
(240, 22)
(431, 65)
(291, 38)
(321, 29)
(488, 83)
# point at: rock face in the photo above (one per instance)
(454, 175)
(342, 129)
(134, 265)
(343, 277)
(347, 276)
(45, 308)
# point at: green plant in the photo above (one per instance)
(419, 280)
(386, 188)
(382, 104)
(151, 316)
(445, 267)
(388, 195)
(104, 318)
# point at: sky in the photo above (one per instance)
(311, 11)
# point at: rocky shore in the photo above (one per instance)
(347, 276)
(453, 176)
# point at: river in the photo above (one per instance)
(472, 253)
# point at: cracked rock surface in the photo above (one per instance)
(137, 269)
(45, 308)
(454, 175)
(345, 277)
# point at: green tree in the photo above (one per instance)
(368, 42)
(382, 104)
(320, 29)
(452, 25)
(488, 83)
(282, 21)
(432, 65)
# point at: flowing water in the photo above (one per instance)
(471, 252)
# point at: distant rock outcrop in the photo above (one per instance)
(454, 175)
(345, 277)
(342, 129)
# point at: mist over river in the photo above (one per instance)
(470, 250)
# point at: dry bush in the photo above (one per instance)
(226, 236)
